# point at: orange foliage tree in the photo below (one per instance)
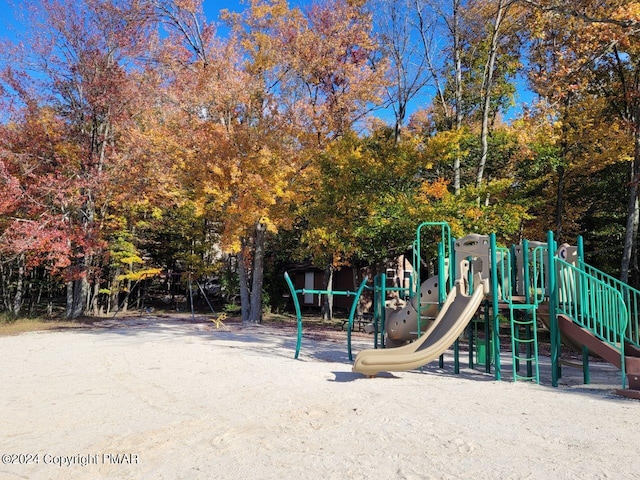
(258, 108)
(586, 53)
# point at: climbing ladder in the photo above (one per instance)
(527, 322)
(522, 308)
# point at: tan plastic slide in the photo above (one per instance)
(456, 313)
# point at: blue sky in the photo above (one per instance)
(212, 8)
(8, 20)
(6, 17)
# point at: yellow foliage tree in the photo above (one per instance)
(251, 114)
(587, 56)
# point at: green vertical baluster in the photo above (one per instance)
(383, 308)
(553, 320)
(441, 285)
(376, 310)
(495, 312)
(582, 299)
(527, 299)
(352, 313)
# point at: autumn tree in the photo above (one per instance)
(33, 230)
(259, 106)
(472, 80)
(78, 82)
(589, 50)
(317, 72)
(360, 206)
(373, 191)
(444, 20)
(498, 23)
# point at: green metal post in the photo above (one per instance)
(553, 319)
(470, 335)
(494, 300)
(470, 332)
(487, 336)
(583, 295)
(296, 305)
(377, 316)
(417, 260)
(383, 309)
(354, 307)
(445, 233)
(442, 289)
(452, 266)
(580, 245)
(514, 270)
(456, 356)
(527, 298)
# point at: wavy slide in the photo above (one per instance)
(456, 313)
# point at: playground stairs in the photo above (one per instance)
(609, 352)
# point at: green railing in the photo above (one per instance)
(593, 304)
(630, 296)
(505, 278)
(530, 278)
(444, 251)
(533, 272)
(302, 291)
(380, 290)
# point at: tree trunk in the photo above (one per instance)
(49, 297)
(4, 286)
(114, 291)
(327, 300)
(632, 211)
(80, 294)
(243, 278)
(125, 301)
(94, 299)
(17, 298)
(457, 55)
(401, 113)
(258, 273)
(77, 291)
(77, 295)
(559, 203)
(487, 84)
(69, 311)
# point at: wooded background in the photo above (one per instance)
(144, 146)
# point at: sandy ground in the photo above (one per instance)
(171, 399)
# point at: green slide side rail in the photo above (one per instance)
(594, 304)
(630, 296)
(302, 291)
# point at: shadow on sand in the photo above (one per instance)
(280, 341)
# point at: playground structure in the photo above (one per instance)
(475, 285)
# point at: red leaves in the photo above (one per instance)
(10, 192)
(43, 242)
